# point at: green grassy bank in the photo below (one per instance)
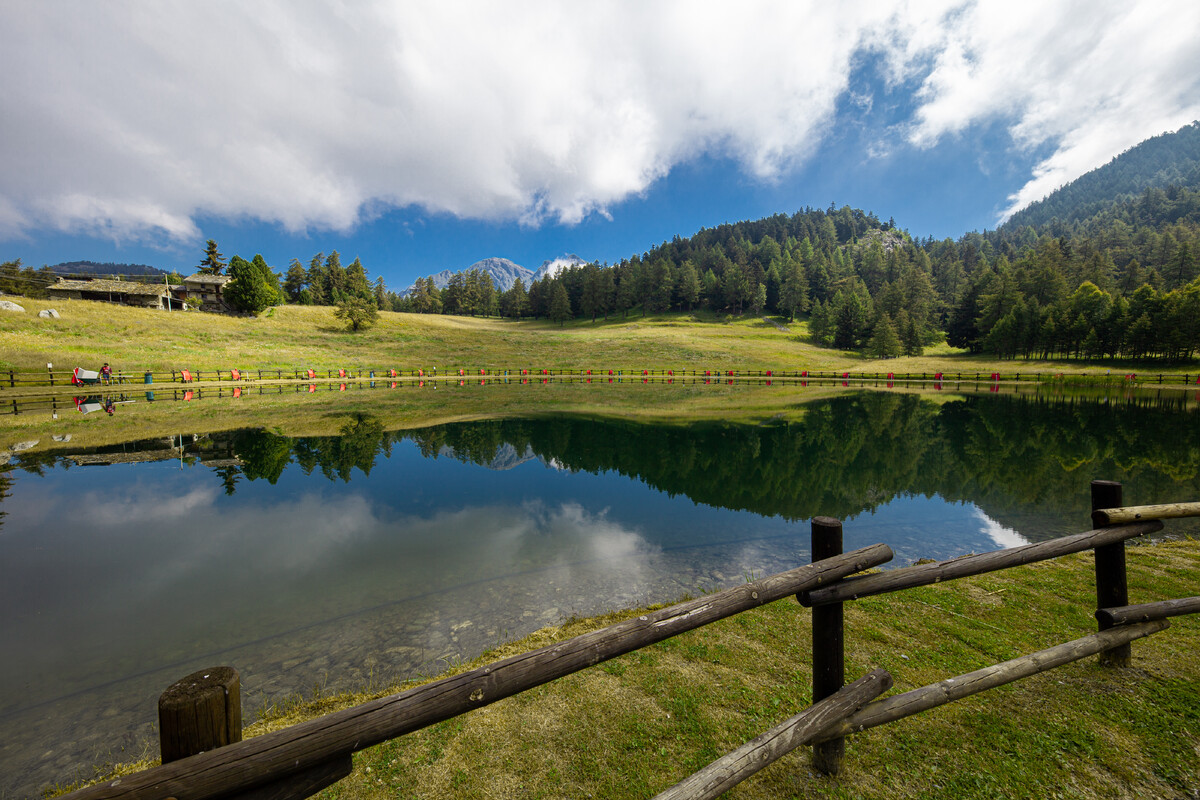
(90, 333)
(635, 725)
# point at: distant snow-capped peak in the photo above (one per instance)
(552, 267)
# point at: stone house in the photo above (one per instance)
(206, 292)
(129, 293)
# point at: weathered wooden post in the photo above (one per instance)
(829, 669)
(1112, 590)
(200, 712)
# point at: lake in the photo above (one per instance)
(323, 563)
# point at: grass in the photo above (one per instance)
(635, 725)
(131, 339)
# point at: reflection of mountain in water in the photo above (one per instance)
(1011, 456)
(507, 456)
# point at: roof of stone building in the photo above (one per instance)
(114, 287)
(200, 277)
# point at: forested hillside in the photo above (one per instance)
(1108, 274)
(1172, 159)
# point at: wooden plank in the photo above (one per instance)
(1120, 516)
(965, 566)
(904, 705)
(1144, 612)
(254, 762)
(764, 750)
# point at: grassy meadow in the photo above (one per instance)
(289, 337)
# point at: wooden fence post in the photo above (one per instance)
(829, 669)
(1112, 590)
(200, 712)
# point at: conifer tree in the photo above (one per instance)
(213, 263)
(884, 341)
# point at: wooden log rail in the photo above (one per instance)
(904, 705)
(1119, 516)
(807, 727)
(1146, 612)
(965, 566)
(51, 377)
(322, 747)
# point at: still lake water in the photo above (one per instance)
(327, 563)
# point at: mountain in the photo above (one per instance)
(1170, 159)
(95, 268)
(552, 267)
(504, 274)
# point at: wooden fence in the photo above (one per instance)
(56, 378)
(200, 716)
(26, 403)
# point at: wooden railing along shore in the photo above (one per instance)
(214, 384)
(201, 724)
(58, 378)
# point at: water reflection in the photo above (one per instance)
(336, 561)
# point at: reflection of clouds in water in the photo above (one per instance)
(138, 505)
(318, 533)
(600, 537)
(1002, 536)
(295, 537)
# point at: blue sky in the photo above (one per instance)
(423, 136)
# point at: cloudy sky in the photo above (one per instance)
(428, 135)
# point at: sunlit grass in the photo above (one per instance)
(90, 333)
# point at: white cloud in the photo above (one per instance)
(129, 119)
(1086, 79)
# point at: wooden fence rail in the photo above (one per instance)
(937, 694)
(1145, 612)
(965, 566)
(1119, 516)
(51, 377)
(810, 725)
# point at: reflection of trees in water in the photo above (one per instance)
(853, 454)
(842, 457)
(360, 441)
(5, 491)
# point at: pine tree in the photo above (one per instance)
(317, 281)
(212, 263)
(293, 283)
(560, 305)
(884, 341)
